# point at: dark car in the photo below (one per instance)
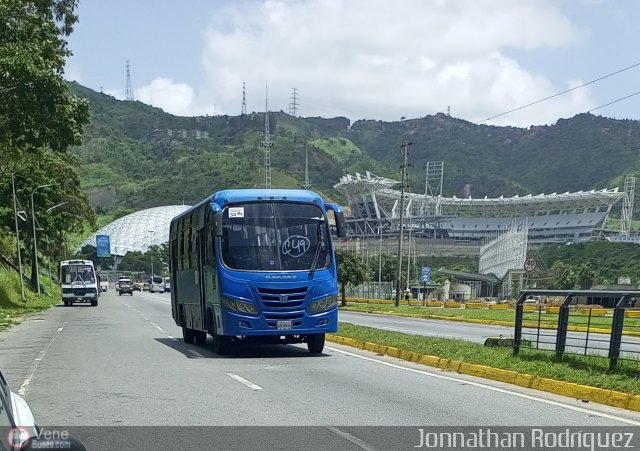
(136, 287)
(125, 287)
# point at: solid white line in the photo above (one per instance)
(352, 438)
(25, 385)
(172, 338)
(244, 381)
(489, 387)
(195, 353)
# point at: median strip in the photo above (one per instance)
(529, 370)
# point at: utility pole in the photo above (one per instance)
(15, 213)
(404, 148)
(35, 240)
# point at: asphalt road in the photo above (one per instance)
(478, 333)
(122, 364)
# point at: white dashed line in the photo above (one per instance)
(25, 385)
(244, 381)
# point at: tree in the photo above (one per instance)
(566, 276)
(37, 111)
(351, 271)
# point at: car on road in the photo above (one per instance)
(136, 287)
(125, 287)
(18, 429)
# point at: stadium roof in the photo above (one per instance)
(137, 231)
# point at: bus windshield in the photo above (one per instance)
(80, 274)
(275, 236)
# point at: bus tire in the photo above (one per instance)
(188, 335)
(315, 343)
(66, 303)
(200, 337)
(94, 303)
(220, 344)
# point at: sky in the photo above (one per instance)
(365, 59)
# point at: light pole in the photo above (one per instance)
(35, 244)
(15, 212)
(49, 210)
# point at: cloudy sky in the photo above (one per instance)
(366, 59)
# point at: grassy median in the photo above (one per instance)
(586, 370)
(12, 307)
(508, 315)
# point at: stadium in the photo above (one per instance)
(549, 218)
(500, 232)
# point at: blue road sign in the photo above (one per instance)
(103, 245)
(425, 276)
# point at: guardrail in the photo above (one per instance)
(590, 330)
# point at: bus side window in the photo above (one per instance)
(180, 255)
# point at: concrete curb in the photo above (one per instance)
(584, 392)
(490, 322)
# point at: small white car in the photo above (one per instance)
(18, 429)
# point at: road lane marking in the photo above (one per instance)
(172, 338)
(244, 381)
(25, 385)
(195, 353)
(489, 387)
(352, 438)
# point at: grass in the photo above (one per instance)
(11, 305)
(585, 370)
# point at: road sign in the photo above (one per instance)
(425, 276)
(103, 246)
(530, 264)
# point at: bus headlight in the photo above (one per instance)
(323, 304)
(240, 306)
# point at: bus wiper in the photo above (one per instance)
(319, 247)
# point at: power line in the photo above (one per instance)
(564, 92)
(614, 101)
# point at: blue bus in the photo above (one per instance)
(255, 264)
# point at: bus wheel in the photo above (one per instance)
(315, 343)
(200, 337)
(188, 335)
(66, 303)
(94, 303)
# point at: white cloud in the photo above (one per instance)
(377, 59)
(173, 97)
(72, 72)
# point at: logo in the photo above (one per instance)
(283, 298)
(280, 277)
(296, 245)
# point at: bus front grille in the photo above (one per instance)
(280, 299)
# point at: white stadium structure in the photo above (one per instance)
(549, 218)
(137, 231)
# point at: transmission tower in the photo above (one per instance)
(128, 94)
(267, 144)
(244, 100)
(306, 184)
(293, 106)
(404, 148)
(434, 174)
(627, 205)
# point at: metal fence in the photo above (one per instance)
(572, 326)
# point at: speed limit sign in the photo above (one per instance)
(530, 264)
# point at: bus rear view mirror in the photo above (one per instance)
(341, 229)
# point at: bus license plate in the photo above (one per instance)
(284, 325)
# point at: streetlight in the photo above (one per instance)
(35, 244)
(49, 210)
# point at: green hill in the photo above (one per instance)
(135, 156)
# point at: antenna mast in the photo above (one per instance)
(267, 144)
(128, 95)
(293, 106)
(244, 100)
(306, 184)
